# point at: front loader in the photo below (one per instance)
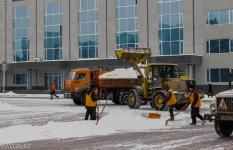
(155, 76)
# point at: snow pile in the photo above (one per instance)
(8, 93)
(6, 106)
(121, 73)
(206, 98)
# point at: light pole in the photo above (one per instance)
(5, 28)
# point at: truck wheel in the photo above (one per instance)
(123, 98)
(180, 106)
(158, 99)
(77, 101)
(223, 128)
(83, 99)
(134, 99)
(115, 99)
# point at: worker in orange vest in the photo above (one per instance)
(195, 102)
(91, 102)
(53, 89)
(170, 100)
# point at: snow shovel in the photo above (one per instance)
(98, 105)
(103, 109)
(176, 114)
(155, 116)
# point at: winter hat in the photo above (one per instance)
(92, 85)
(191, 86)
(166, 86)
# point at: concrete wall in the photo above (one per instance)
(142, 23)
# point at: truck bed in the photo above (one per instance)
(119, 83)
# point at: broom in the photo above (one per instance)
(176, 114)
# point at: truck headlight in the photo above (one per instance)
(76, 89)
(212, 107)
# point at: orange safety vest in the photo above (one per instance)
(172, 100)
(89, 101)
(198, 103)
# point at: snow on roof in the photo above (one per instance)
(228, 93)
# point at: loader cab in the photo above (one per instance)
(160, 72)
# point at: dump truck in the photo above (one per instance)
(79, 80)
(152, 81)
(221, 112)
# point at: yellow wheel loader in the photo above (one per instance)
(153, 77)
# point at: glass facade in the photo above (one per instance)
(218, 74)
(53, 31)
(21, 33)
(88, 28)
(219, 46)
(219, 17)
(170, 27)
(20, 79)
(53, 77)
(127, 23)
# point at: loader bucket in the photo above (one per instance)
(133, 53)
(154, 116)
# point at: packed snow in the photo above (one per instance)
(117, 119)
(12, 94)
(122, 73)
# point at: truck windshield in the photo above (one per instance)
(71, 76)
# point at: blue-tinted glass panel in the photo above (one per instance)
(56, 8)
(56, 43)
(24, 78)
(91, 40)
(25, 22)
(136, 11)
(166, 8)
(83, 16)
(160, 48)
(25, 44)
(122, 3)
(50, 20)
(45, 43)
(131, 37)
(25, 56)
(84, 52)
(56, 31)
(123, 12)
(224, 46)
(224, 16)
(123, 37)
(175, 20)
(136, 36)
(85, 40)
(160, 22)
(224, 72)
(96, 39)
(19, 55)
(123, 25)
(18, 12)
(84, 28)
(181, 6)
(17, 23)
(181, 48)
(181, 34)
(24, 33)
(214, 18)
(160, 35)
(130, 2)
(231, 45)
(207, 17)
(166, 48)
(130, 12)
(17, 45)
(49, 8)
(91, 52)
(181, 20)
(79, 40)
(91, 15)
(166, 35)
(56, 19)
(118, 38)
(166, 21)
(214, 75)
(18, 79)
(131, 24)
(91, 28)
(160, 9)
(61, 42)
(56, 54)
(18, 34)
(175, 34)
(50, 31)
(214, 46)
(50, 43)
(208, 75)
(49, 54)
(175, 48)
(175, 7)
(91, 4)
(84, 5)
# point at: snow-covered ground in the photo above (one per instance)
(117, 119)
(12, 94)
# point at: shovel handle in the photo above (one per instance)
(179, 111)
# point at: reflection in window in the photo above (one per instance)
(81, 76)
(219, 46)
(171, 27)
(20, 79)
(53, 31)
(219, 17)
(127, 23)
(88, 28)
(21, 33)
(218, 75)
(53, 77)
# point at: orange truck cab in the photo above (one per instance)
(78, 82)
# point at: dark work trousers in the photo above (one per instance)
(195, 113)
(171, 110)
(53, 93)
(92, 113)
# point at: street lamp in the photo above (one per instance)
(5, 28)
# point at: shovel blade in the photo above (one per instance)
(166, 122)
(154, 116)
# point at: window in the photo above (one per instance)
(20, 79)
(219, 46)
(71, 76)
(81, 76)
(53, 77)
(88, 28)
(219, 17)
(127, 23)
(170, 27)
(53, 31)
(21, 33)
(218, 75)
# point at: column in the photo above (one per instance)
(29, 79)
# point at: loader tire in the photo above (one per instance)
(223, 128)
(115, 98)
(157, 100)
(123, 98)
(134, 99)
(180, 106)
(83, 99)
(77, 101)
(151, 105)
